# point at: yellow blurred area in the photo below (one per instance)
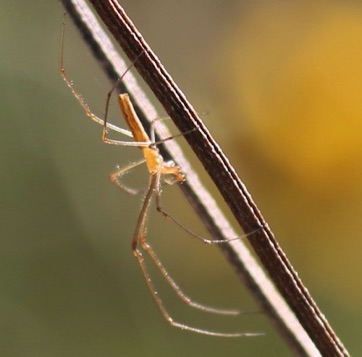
(295, 79)
(310, 99)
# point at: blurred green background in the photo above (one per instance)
(282, 82)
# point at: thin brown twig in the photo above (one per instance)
(315, 326)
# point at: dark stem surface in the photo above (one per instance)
(314, 326)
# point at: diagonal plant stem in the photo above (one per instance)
(305, 329)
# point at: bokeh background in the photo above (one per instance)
(282, 82)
